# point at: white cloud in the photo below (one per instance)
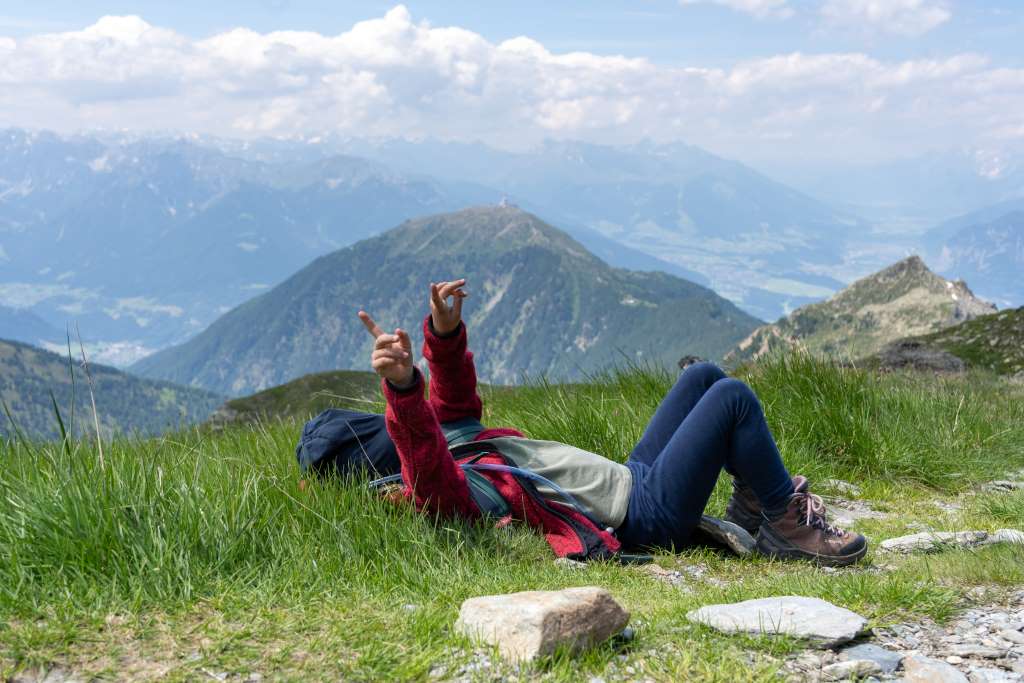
(394, 76)
(758, 8)
(901, 17)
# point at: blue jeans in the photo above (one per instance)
(707, 423)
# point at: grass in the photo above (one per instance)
(196, 554)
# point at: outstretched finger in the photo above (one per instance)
(449, 287)
(435, 295)
(371, 326)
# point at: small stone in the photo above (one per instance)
(1012, 635)
(990, 676)
(953, 659)
(920, 669)
(840, 486)
(977, 651)
(822, 623)
(887, 660)
(850, 669)
(566, 563)
(531, 624)
(1002, 485)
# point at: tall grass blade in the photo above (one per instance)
(65, 443)
(92, 397)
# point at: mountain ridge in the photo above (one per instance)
(125, 404)
(903, 299)
(542, 304)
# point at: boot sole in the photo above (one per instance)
(770, 544)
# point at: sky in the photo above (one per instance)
(757, 80)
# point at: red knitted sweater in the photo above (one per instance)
(434, 480)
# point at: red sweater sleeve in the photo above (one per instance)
(452, 375)
(431, 476)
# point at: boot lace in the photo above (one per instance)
(814, 513)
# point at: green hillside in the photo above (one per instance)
(901, 300)
(541, 305)
(124, 403)
(200, 558)
(994, 342)
(304, 397)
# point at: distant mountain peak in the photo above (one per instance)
(542, 306)
(901, 300)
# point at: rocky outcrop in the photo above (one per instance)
(902, 300)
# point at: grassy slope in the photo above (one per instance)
(197, 553)
(304, 397)
(124, 403)
(995, 341)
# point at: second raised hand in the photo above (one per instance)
(444, 317)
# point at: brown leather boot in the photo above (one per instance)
(744, 509)
(802, 533)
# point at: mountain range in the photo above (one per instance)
(902, 300)
(985, 247)
(144, 240)
(542, 305)
(32, 380)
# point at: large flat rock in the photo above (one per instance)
(928, 541)
(531, 624)
(817, 621)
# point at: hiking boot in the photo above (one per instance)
(744, 509)
(802, 533)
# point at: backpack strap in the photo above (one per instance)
(461, 431)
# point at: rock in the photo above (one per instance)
(566, 563)
(850, 669)
(1003, 485)
(718, 532)
(1013, 636)
(818, 621)
(953, 659)
(846, 513)
(927, 541)
(840, 486)
(887, 660)
(1005, 536)
(920, 669)
(531, 624)
(669, 576)
(990, 676)
(977, 651)
(917, 356)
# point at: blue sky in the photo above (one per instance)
(865, 79)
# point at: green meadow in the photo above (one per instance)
(196, 555)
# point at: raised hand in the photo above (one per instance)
(392, 353)
(444, 317)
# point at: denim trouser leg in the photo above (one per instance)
(707, 423)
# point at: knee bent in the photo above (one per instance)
(732, 389)
(707, 373)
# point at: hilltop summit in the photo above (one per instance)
(904, 299)
(541, 305)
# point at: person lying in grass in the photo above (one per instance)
(708, 422)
